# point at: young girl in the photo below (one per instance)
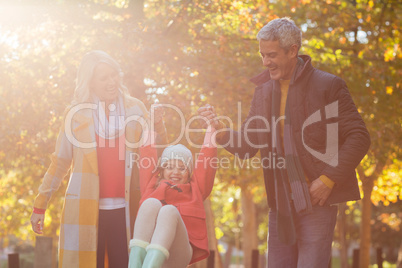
(170, 227)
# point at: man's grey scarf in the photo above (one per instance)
(293, 174)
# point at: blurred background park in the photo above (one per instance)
(189, 53)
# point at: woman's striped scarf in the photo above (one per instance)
(112, 127)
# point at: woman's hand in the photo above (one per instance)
(210, 137)
(37, 222)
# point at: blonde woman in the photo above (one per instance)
(99, 133)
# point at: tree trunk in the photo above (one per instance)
(249, 239)
(212, 241)
(134, 78)
(228, 256)
(342, 230)
(399, 262)
(136, 8)
(53, 233)
(365, 228)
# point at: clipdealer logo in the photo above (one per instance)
(330, 156)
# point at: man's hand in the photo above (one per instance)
(319, 192)
(208, 112)
(37, 222)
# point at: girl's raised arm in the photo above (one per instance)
(207, 163)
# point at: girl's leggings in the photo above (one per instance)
(163, 225)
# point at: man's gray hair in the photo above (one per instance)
(283, 30)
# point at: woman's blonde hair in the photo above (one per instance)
(86, 70)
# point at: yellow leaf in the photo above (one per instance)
(389, 90)
(218, 232)
(389, 54)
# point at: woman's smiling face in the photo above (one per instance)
(105, 82)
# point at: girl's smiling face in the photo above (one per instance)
(176, 171)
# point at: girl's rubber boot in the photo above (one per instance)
(156, 256)
(137, 253)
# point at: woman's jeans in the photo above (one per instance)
(314, 234)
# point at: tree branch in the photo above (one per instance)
(384, 7)
(136, 8)
(361, 173)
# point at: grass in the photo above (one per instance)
(336, 263)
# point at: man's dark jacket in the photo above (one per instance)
(315, 91)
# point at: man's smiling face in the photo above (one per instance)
(280, 63)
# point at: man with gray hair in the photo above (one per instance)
(305, 118)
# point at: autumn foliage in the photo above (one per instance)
(189, 53)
